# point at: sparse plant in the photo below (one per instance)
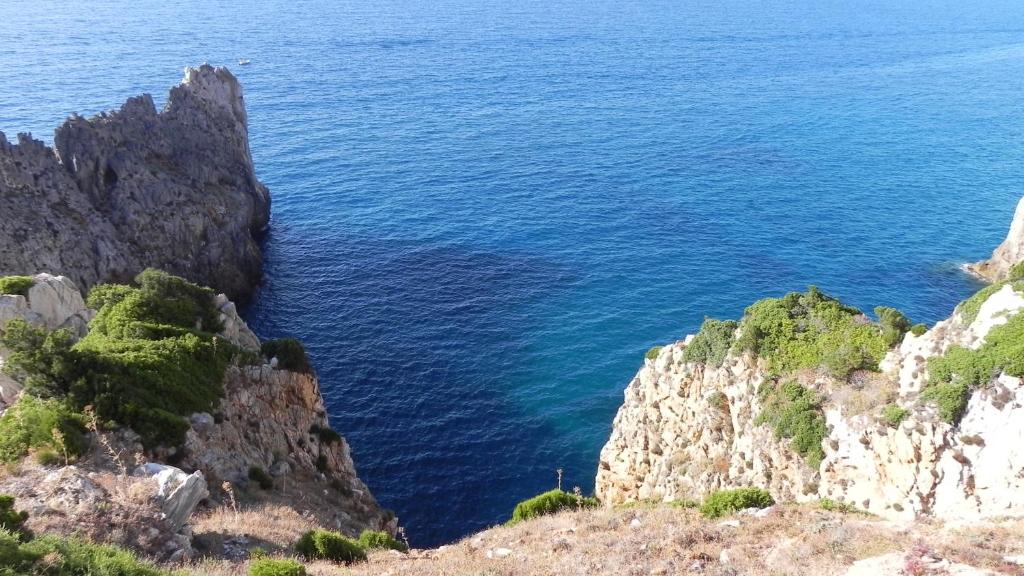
(794, 412)
(377, 540)
(725, 502)
(276, 567)
(260, 477)
(653, 353)
(894, 414)
(10, 519)
(322, 544)
(833, 506)
(550, 503)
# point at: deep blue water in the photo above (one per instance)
(485, 212)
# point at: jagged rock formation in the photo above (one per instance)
(137, 188)
(1006, 255)
(686, 429)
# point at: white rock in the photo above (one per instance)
(494, 553)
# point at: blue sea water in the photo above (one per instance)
(485, 212)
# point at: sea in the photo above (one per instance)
(485, 212)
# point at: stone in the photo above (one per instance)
(178, 492)
(137, 188)
(1006, 255)
(495, 553)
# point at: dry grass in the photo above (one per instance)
(271, 527)
(661, 540)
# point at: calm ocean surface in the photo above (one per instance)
(485, 212)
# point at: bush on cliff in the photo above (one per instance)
(549, 503)
(40, 424)
(712, 343)
(725, 502)
(953, 376)
(10, 519)
(272, 567)
(151, 356)
(53, 556)
(16, 285)
(290, 354)
(377, 540)
(894, 324)
(811, 330)
(794, 412)
(322, 544)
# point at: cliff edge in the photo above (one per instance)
(138, 188)
(811, 399)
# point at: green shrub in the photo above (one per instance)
(794, 412)
(326, 435)
(10, 519)
(918, 329)
(326, 545)
(290, 354)
(893, 414)
(29, 424)
(259, 476)
(1017, 272)
(894, 324)
(550, 503)
(653, 352)
(811, 330)
(47, 457)
(271, 567)
(684, 504)
(953, 376)
(53, 556)
(712, 343)
(725, 502)
(376, 540)
(42, 361)
(16, 285)
(969, 308)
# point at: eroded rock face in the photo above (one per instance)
(686, 430)
(1006, 255)
(138, 188)
(270, 419)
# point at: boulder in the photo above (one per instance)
(178, 493)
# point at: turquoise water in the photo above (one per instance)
(485, 212)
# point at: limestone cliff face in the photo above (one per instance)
(1006, 255)
(138, 188)
(686, 429)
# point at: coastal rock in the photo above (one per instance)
(138, 188)
(685, 430)
(1006, 255)
(177, 492)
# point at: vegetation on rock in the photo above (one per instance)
(725, 502)
(794, 412)
(894, 324)
(276, 567)
(549, 503)
(377, 540)
(893, 414)
(290, 354)
(712, 343)
(811, 330)
(40, 424)
(260, 477)
(151, 356)
(54, 556)
(10, 519)
(653, 352)
(322, 544)
(953, 376)
(16, 285)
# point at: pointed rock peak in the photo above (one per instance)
(1007, 255)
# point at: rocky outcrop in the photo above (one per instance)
(177, 493)
(138, 188)
(275, 421)
(686, 429)
(1006, 255)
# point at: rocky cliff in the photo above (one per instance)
(269, 419)
(136, 188)
(687, 428)
(1006, 255)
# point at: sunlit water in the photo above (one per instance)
(485, 212)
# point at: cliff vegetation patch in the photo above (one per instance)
(712, 343)
(151, 356)
(960, 371)
(16, 285)
(725, 502)
(550, 502)
(794, 412)
(812, 330)
(45, 426)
